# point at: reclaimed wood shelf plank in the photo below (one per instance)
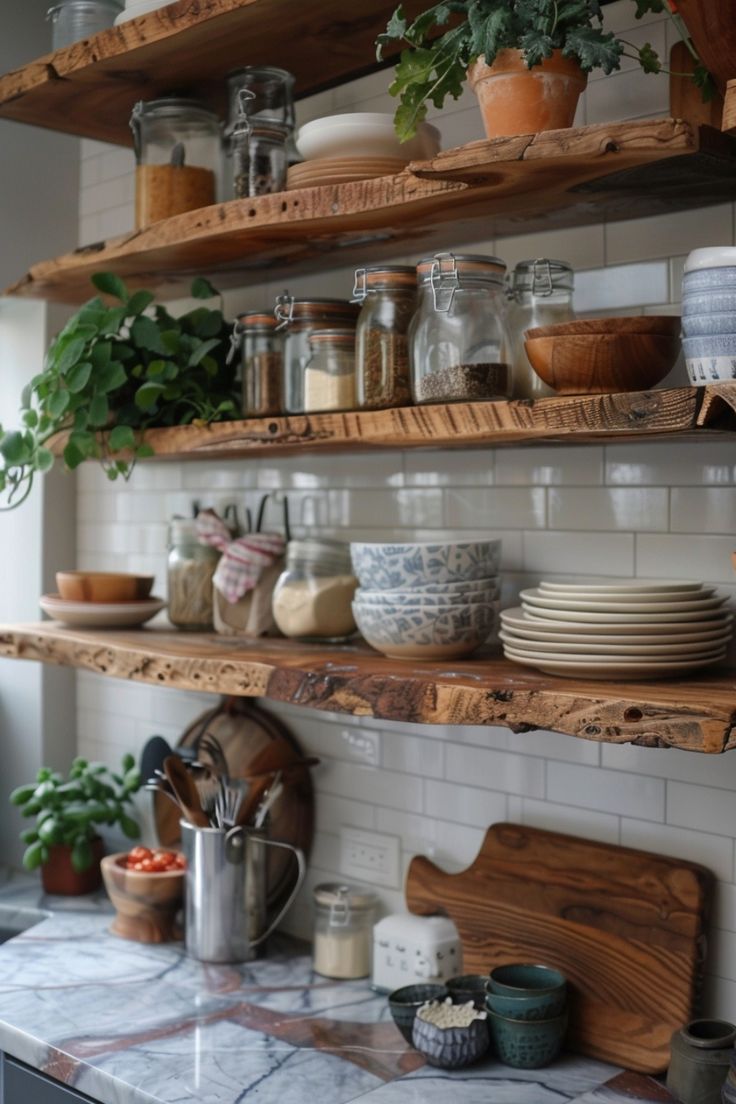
(695, 714)
(557, 178)
(89, 88)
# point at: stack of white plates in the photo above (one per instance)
(620, 630)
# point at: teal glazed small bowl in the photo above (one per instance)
(527, 1044)
(532, 1007)
(406, 1002)
(521, 979)
(468, 987)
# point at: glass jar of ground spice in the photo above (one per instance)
(329, 379)
(458, 347)
(388, 296)
(298, 318)
(262, 359)
(191, 566)
(178, 155)
(313, 597)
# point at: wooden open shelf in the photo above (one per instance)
(686, 412)
(695, 714)
(90, 87)
(482, 190)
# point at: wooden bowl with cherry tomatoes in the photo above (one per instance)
(146, 887)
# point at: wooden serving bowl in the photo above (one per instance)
(666, 325)
(102, 586)
(596, 364)
(146, 905)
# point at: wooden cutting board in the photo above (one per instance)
(626, 927)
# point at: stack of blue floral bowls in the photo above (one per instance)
(709, 315)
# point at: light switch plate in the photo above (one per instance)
(370, 857)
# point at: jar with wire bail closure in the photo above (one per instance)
(343, 930)
(261, 350)
(458, 345)
(388, 294)
(541, 295)
(298, 319)
(329, 380)
(313, 597)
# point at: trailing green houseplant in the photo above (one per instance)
(119, 369)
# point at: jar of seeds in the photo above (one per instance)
(262, 358)
(388, 295)
(191, 566)
(458, 347)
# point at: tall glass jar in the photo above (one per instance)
(329, 379)
(389, 295)
(299, 318)
(262, 359)
(73, 20)
(177, 149)
(458, 347)
(191, 566)
(343, 930)
(272, 94)
(312, 599)
(541, 294)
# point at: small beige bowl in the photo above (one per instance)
(102, 586)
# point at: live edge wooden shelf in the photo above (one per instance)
(479, 191)
(693, 714)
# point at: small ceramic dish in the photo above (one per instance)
(451, 1047)
(102, 586)
(146, 905)
(531, 1007)
(364, 134)
(523, 979)
(527, 1044)
(468, 987)
(426, 633)
(406, 1002)
(100, 615)
(398, 566)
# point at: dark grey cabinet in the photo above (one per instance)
(19, 1084)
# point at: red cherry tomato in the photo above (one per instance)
(145, 861)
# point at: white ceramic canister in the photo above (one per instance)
(709, 315)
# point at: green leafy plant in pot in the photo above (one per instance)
(112, 372)
(65, 843)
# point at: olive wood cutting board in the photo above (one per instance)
(626, 927)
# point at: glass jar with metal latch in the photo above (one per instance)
(191, 566)
(343, 930)
(261, 351)
(298, 319)
(458, 346)
(541, 295)
(257, 148)
(329, 379)
(388, 294)
(313, 597)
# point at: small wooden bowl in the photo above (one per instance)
(102, 586)
(146, 905)
(596, 364)
(665, 325)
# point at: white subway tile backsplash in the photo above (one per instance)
(380, 787)
(680, 766)
(413, 755)
(621, 286)
(496, 507)
(702, 808)
(495, 770)
(461, 468)
(703, 510)
(549, 465)
(701, 463)
(606, 791)
(464, 804)
(663, 235)
(671, 556)
(614, 508)
(583, 553)
(568, 820)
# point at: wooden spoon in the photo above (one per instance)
(185, 791)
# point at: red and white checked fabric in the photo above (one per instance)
(243, 559)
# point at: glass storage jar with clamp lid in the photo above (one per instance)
(298, 319)
(541, 295)
(458, 346)
(388, 294)
(343, 930)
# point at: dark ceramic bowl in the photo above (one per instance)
(527, 1044)
(531, 1007)
(405, 1003)
(521, 979)
(451, 1047)
(468, 987)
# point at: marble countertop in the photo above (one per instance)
(130, 1023)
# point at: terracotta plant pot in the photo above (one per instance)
(517, 100)
(59, 877)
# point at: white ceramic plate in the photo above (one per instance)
(661, 648)
(617, 605)
(516, 619)
(628, 597)
(717, 652)
(634, 671)
(623, 586)
(100, 615)
(582, 617)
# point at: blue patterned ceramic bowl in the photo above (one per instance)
(404, 599)
(398, 566)
(709, 279)
(451, 1047)
(709, 325)
(721, 301)
(720, 345)
(467, 586)
(424, 632)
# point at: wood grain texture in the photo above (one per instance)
(695, 714)
(90, 87)
(712, 27)
(643, 415)
(626, 927)
(718, 405)
(575, 364)
(729, 108)
(554, 179)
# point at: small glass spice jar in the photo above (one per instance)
(177, 150)
(262, 359)
(191, 566)
(541, 295)
(258, 158)
(73, 20)
(458, 348)
(313, 597)
(299, 318)
(343, 930)
(329, 378)
(388, 294)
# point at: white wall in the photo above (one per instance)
(650, 510)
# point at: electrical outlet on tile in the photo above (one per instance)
(370, 857)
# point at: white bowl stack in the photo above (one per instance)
(434, 600)
(709, 315)
(623, 629)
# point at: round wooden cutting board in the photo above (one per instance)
(254, 740)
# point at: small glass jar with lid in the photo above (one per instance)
(258, 158)
(299, 318)
(73, 20)
(191, 566)
(178, 162)
(329, 379)
(388, 294)
(541, 295)
(343, 930)
(262, 358)
(458, 347)
(313, 596)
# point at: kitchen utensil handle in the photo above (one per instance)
(301, 874)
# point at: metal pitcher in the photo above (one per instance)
(226, 891)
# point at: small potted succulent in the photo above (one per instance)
(65, 843)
